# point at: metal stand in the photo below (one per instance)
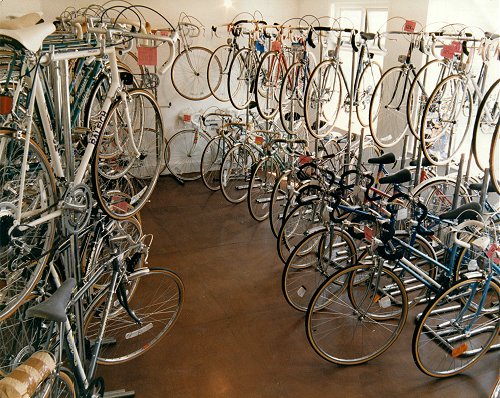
(456, 195)
(484, 188)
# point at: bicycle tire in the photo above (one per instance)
(367, 336)
(217, 77)
(368, 80)
(211, 161)
(235, 173)
(260, 189)
(421, 88)
(279, 200)
(388, 121)
(495, 159)
(323, 97)
(437, 128)
(189, 73)
(132, 340)
(183, 154)
(311, 262)
(241, 78)
(443, 344)
(268, 84)
(123, 182)
(291, 98)
(487, 117)
(23, 259)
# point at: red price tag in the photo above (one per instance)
(119, 204)
(491, 251)
(458, 46)
(186, 118)
(448, 51)
(409, 26)
(276, 46)
(259, 140)
(368, 233)
(147, 56)
(303, 159)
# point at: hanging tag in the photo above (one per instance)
(457, 46)
(147, 56)
(259, 140)
(303, 159)
(448, 51)
(6, 104)
(402, 214)
(276, 45)
(368, 233)
(491, 250)
(409, 26)
(384, 302)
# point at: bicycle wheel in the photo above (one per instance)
(426, 80)
(157, 302)
(487, 117)
(211, 161)
(314, 259)
(356, 315)
(298, 223)
(260, 189)
(235, 173)
(388, 122)
(124, 178)
(291, 97)
(446, 120)
(183, 154)
(270, 73)
(495, 158)
(280, 196)
(57, 385)
(189, 73)
(241, 78)
(217, 76)
(452, 333)
(23, 253)
(367, 82)
(323, 97)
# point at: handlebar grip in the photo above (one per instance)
(309, 39)
(353, 43)
(465, 50)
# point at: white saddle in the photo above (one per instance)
(21, 22)
(30, 37)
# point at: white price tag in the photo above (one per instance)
(402, 214)
(385, 302)
(302, 290)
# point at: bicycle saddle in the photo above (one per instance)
(30, 37)
(386, 158)
(469, 211)
(397, 178)
(425, 162)
(367, 36)
(21, 22)
(479, 186)
(54, 308)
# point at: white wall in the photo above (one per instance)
(14, 8)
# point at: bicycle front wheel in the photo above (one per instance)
(495, 158)
(356, 315)
(241, 78)
(268, 83)
(367, 83)
(218, 71)
(129, 155)
(387, 114)
(454, 331)
(189, 73)
(157, 302)
(211, 161)
(183, 154)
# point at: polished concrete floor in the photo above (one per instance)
(236, 335)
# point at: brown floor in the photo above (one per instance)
(236, 335)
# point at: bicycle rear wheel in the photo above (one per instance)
(189, 73)
(268, 83)
(323, 97)
(291, 97)
(356, 315)
(452, 334)
(184, 152)
(495, 158)
(262, 181)
(217, 75)
(157, 302)
(446, 120)
(241, 78)
(24, 254)
(367, 82)
(124, 181)
(235, 173)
